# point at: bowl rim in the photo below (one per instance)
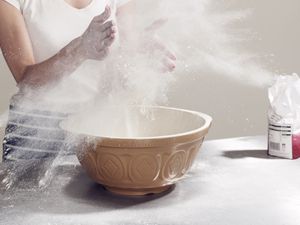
(201, 131)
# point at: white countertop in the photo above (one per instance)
(233, 182)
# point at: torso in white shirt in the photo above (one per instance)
(51, 25)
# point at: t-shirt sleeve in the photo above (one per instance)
(15, 3)
(122, 2)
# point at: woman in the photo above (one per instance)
(45, 42)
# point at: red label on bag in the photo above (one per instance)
(282, 142)
(296, 146)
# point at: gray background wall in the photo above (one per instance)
(238, 109)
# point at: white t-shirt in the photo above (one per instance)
(51, 25)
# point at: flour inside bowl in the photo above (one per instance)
(134, 122)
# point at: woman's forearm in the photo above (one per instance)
(53, 69)
(16, 47)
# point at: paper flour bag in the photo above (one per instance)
(284, 117)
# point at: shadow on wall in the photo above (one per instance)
(7, 85)
(7, 89)
(2, 130)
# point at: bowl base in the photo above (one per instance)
(139, 192)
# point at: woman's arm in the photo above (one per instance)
(17, 49)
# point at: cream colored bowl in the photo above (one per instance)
(138, 150)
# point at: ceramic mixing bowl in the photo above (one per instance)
(138, 150)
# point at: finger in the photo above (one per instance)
(104, 16)
(167, 69)
(108, 41)
(170, 55)
(159, 46)
(108, 32)
(107, 25)
(168, 65)
(157, 24)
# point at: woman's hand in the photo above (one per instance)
(98, 37)
(156, 47)
(167, 58)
